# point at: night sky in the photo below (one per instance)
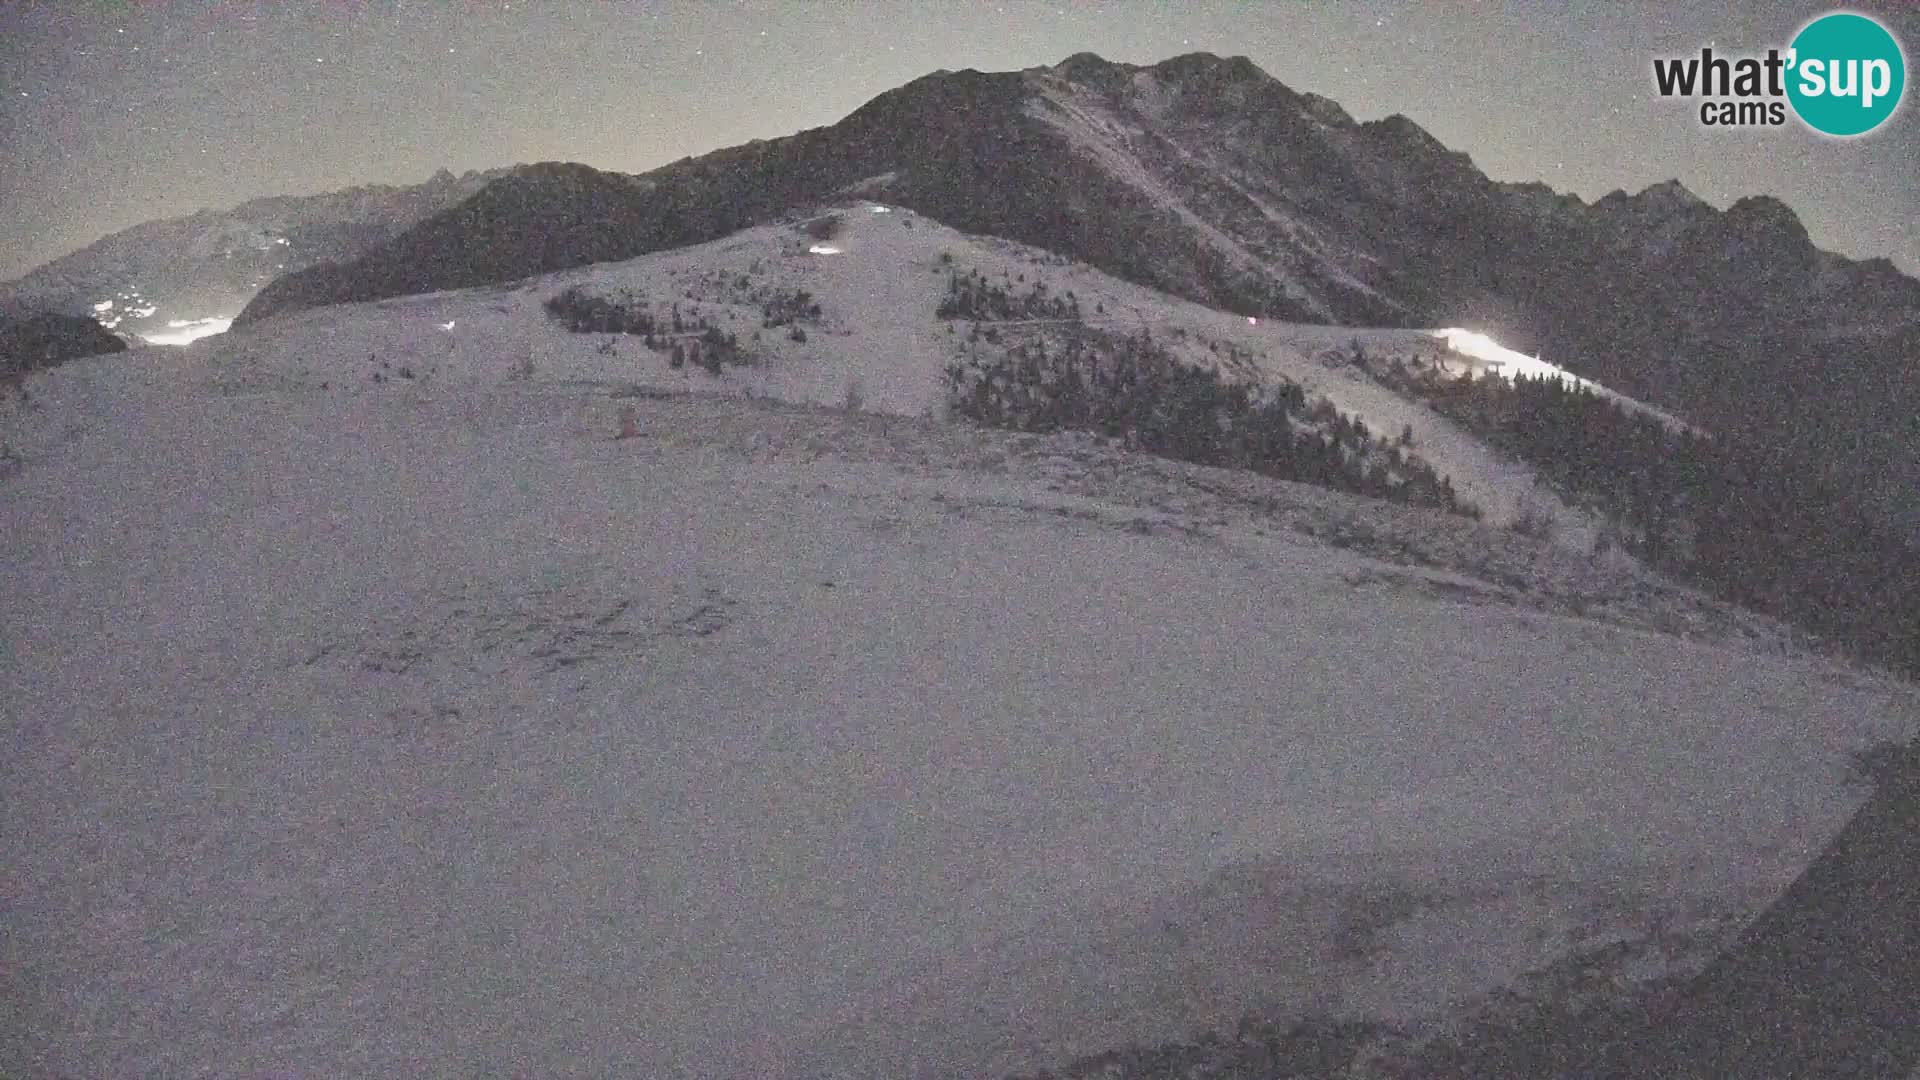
(120, 113)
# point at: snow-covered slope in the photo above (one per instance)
(423, 726)
(1203, 177)
(877, 288)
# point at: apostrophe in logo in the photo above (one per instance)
(1843, 75)
(1848, 74)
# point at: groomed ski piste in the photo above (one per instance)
(426, 726)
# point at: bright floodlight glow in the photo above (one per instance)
(1511, 365)
(1251, 321)
(187, 331)
(877, 209)
(823, 249)
(1505, 361)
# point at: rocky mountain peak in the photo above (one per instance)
(1663, 207)
(1401, 130)
(1207, 65)
(1090, 68)
(1766, 215)
(1671, 194)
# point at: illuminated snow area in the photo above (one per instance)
(1505, 361)
(1512, 365)
(187, 331)
(824, 249)
(111, 312)
(105, 312)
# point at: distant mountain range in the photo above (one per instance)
(208, 265)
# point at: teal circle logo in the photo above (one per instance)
(1846, 74)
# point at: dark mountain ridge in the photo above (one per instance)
(1204, 177)
(32, 340)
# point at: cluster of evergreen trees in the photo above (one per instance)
(1735, 516)
(1134, 388)
(683, 338)
(584, 313)
(787, 307)
(972, 296)
(1621, 463)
